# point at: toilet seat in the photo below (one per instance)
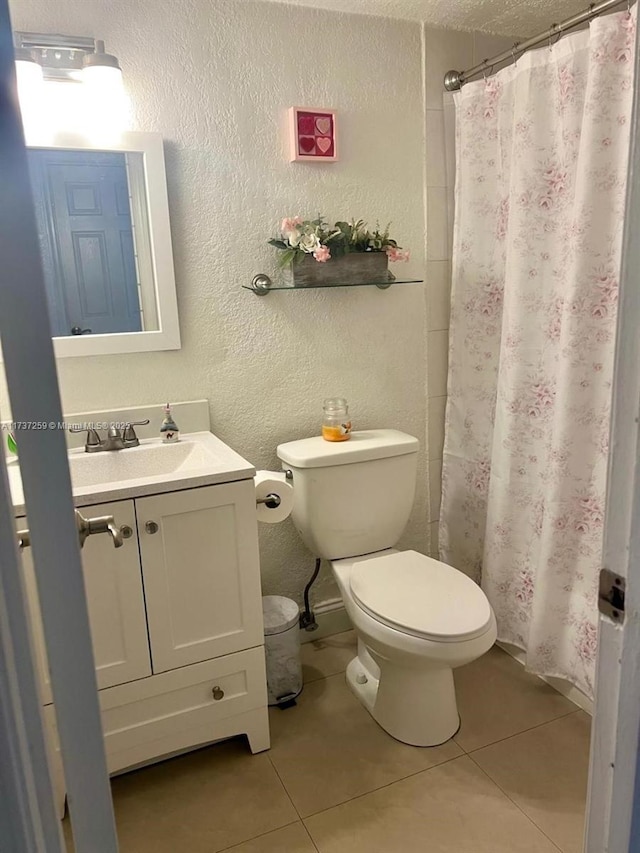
(420, 596)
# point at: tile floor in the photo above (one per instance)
(513, 780)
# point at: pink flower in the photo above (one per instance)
(289, 224)
(395, 254)
(587, 640)
(322, 254)
(599, 312)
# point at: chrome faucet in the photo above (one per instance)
(114, 440)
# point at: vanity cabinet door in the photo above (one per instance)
(113, 584)
(201, 573)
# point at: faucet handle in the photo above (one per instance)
(129, 435)
(93, 439)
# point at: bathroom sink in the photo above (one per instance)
(198, 459)
(148, 460)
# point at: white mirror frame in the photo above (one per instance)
(167, 336)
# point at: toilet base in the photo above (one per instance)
(415, 705)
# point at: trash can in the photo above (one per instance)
(282, 648)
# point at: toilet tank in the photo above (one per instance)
(352, 497)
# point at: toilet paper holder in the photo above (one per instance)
(271, 501)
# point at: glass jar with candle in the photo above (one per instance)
(336, 424)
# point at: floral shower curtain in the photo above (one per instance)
(541, 164)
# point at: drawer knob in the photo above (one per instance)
(127, 532)
(151, 527)
(218, 693)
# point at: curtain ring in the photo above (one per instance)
(486, 72)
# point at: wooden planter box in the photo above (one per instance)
(354, 268)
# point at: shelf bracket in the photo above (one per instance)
(261, 284)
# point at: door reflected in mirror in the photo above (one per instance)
(92, 218)
(102, 215)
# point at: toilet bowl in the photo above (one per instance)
(403, 673)
(416, 618)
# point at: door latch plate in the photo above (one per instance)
(611, 596)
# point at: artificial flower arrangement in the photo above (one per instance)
(302, 237)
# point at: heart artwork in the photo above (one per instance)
(307, 144)
(312, 134)
(305, 125)
(323, 125)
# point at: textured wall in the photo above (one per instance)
(486, 16)
(214, 78)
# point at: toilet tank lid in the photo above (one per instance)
(363, 446)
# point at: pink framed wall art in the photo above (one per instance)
(312, 134)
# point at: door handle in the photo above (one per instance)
(99, 524)
(87, 527)
(78, 330)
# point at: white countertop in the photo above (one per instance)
(198, 459)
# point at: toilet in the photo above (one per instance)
(415, 618)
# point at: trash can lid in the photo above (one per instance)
(279, 614)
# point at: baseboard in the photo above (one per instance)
(331, 617)
(568, 690)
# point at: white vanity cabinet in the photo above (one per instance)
(176, 624)
(113, 583)
(199, 553)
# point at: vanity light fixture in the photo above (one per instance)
(29, 81)
(100, 68)
(28, 71)
(27, 66)
(64, 58)
(98, 108)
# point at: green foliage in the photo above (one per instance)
(301, 237)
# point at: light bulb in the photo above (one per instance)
(30, 90)
(102, 77)
(106, 102)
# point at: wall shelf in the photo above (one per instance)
(263, 284)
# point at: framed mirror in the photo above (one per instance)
(103, 221)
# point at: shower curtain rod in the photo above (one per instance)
(454, 80)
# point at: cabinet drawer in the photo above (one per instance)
(176, 710)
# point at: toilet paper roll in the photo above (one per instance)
(273, 483)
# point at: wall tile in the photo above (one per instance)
(438, 295)
(450, 202)
(449, 121)
(445, 50)
(435, 488)
(486, 47)
(437, 224)
(433, 538)
(436, 165)
(436, 407)
(437, 363)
